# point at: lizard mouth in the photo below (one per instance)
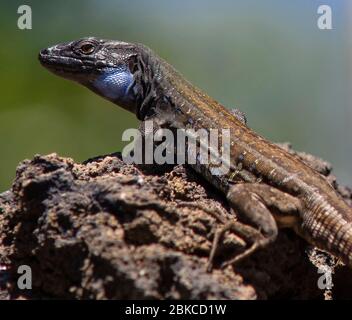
(63, 64)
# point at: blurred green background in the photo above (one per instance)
(267, 58)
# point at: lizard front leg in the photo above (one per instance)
(262, 207)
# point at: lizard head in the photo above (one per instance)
(109, 68)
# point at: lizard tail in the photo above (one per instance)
(328, 225)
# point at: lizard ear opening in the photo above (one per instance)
(133, 64)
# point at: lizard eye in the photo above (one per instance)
(87, 48)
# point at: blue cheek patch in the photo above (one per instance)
(115, 83)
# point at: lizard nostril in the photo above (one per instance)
(44, 52)
(44, 55)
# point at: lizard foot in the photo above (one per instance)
(242, 232)
(263, 208)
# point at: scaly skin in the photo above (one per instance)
(297, 196)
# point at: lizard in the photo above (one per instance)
(269, 187)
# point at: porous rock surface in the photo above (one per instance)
(109, 230)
